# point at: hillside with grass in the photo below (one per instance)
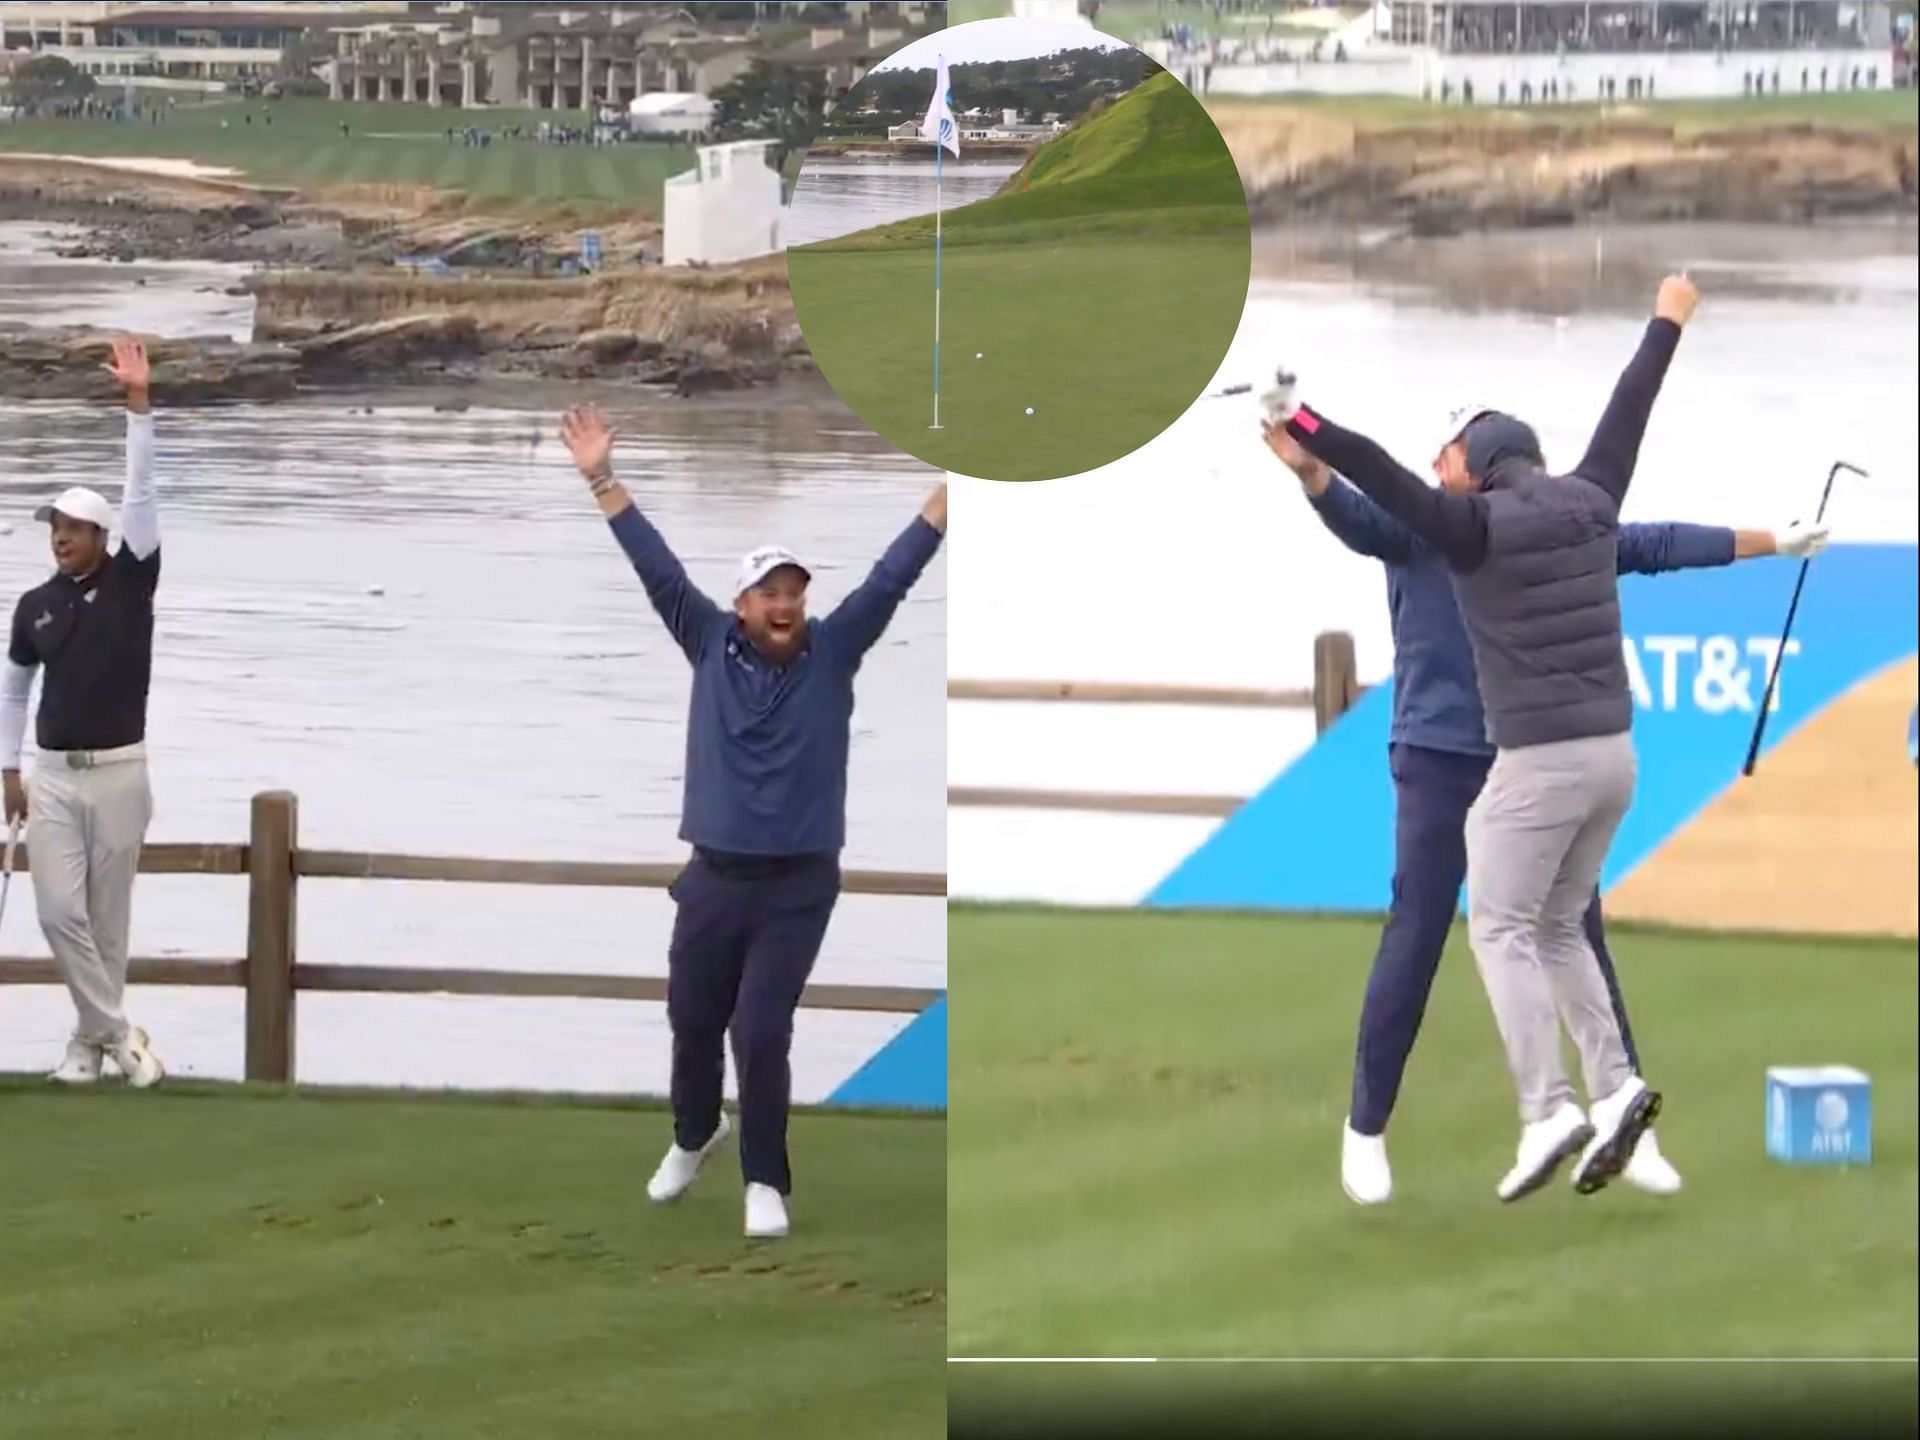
(1132, 223)
(1151, 163)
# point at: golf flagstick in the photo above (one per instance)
(1793, 607)
(939, 155)
(938, 126)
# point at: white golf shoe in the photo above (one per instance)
(1649, 1170)
(1543, 1145)
(1364, 1172)
(81, 1066)
(680, 1167)
(766, 1213)
(135, 1057)
(1618, 1123)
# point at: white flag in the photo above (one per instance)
(938, 125)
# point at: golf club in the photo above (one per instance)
(1793, 606)
(6, 878)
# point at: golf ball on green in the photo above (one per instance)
(1029, 409)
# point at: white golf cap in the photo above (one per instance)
(762, 563)
(1458, 418)
(79, 503)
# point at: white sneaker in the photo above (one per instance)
(82, 1065)
(137, 1061)
(1649, 1170)
(1543, 1145)
(678, 1169)
(1364, 1172)
(1618, 1123)
(766, 1213)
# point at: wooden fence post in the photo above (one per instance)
(1336, 677)
(270, 935)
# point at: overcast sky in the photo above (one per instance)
(1006, 39)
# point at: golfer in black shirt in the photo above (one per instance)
(90, 627)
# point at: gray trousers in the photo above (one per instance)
(1536, 838)
(85, 831)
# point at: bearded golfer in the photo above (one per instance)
(764, 810)
(1534, 558)
(1439, 756)
(90, 627)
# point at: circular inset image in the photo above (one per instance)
(1018, 249)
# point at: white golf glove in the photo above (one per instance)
(1801, 541)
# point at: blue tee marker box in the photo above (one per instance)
(1819, 1115)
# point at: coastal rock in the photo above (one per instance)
(66, 364)
(390, 344)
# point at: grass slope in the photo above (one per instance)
(386, 144)
(1890, 111)
(196, 1264)
(1101, 288)
(1145, 1116)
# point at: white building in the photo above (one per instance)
(202, 47)
(1562, 51)
(1060, 11)
(727, 208)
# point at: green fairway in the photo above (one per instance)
(195, 1264)
(1146, 1113)
(385, 144)
(1874, 110)
(1101, 289)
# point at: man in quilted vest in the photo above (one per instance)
(1534, 563)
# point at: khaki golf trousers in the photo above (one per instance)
(1536, 839)
(86, 825)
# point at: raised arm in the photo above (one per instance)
(1356, 522)
(858, 621)
(140, 502)
(1615, 447)
(690, 616)
(1455, 525)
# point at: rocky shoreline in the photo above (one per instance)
(1305, 166)
(334, 309)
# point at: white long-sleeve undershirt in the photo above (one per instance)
(140, 505)
(16, 685)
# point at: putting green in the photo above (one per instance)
(1100, 290)
(1145, 1121)
(199, 1264)
(384, 144)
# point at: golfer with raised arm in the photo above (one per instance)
(1534, 558)
(1439, 755)
(90, 629)
(764, 810)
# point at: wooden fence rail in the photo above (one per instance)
(272, 974)
(1336, 688)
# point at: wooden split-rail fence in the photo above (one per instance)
(273, 975)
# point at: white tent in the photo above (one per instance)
(665, 112)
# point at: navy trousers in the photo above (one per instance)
(1433, 790)
(745, 937)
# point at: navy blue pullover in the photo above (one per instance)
(1436, 700)
(767, 744)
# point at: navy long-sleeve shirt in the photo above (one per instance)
(1436, 699)
(767, 744)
